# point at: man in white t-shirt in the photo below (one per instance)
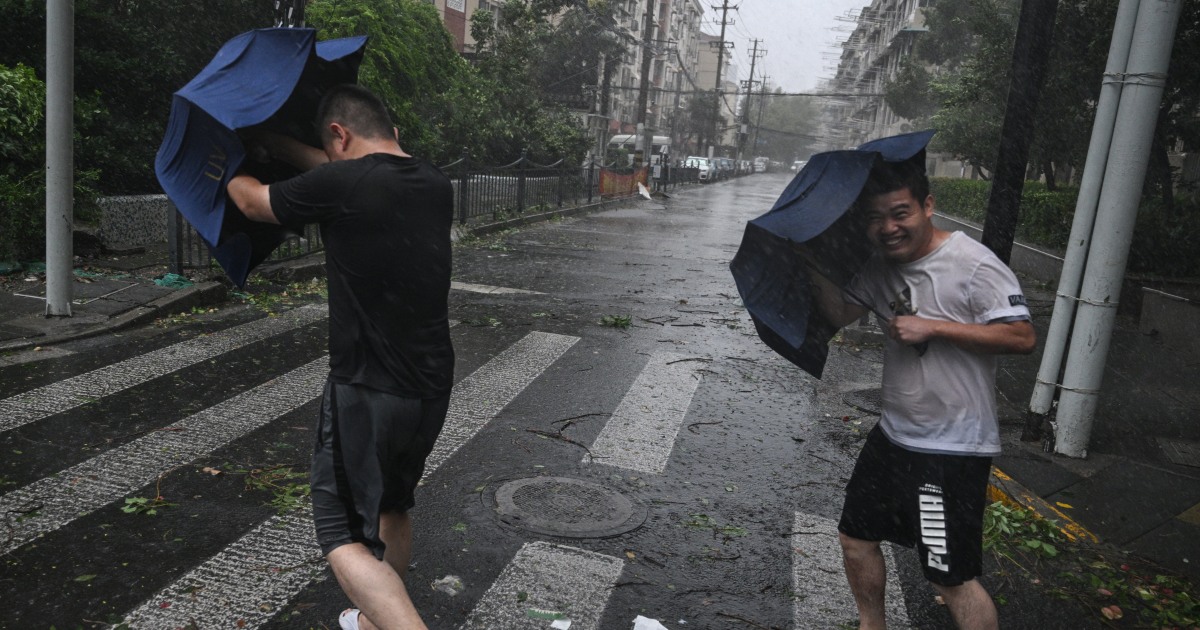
(921, 478)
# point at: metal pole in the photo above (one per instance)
(1145, 76)
(60, 167)
(1085, 216)
(174, 240)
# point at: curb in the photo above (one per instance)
(1006, 490)
(201, 294)
(305, 268)
(488, 228)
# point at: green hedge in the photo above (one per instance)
(23, 165)
(22, 188)
(1165, 244)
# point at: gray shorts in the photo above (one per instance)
(369, 455)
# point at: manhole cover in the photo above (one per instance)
(865, 400)
(1181, 452)
(560, 506)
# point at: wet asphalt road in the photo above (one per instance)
(760, 446)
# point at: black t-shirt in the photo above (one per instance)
(385, 221)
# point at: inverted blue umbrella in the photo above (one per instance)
(814, 209)
(268, 79)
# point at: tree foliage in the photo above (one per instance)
(788, 127)
(958, 78)
(410, 63)
(536, 59)
(129, 58)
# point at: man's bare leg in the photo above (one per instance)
(867, 574)
(395, 530)
(375, 588)
(970, 605)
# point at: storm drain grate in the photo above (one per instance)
(560, 506)
(865, 400)
(1181, 452)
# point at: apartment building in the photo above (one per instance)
(882, 37)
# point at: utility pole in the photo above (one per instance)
(744, 130)
(1031, 56)
(645, 143)
(599, 118)
(721, 46)
(762, 101)
(60, 157)
(1145, 77)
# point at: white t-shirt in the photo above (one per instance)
(944, 401)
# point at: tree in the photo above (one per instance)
(129, 58)
(788, 127)
(537, 56)
(410, 63)
(702, 116)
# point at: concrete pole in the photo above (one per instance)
(1085, 212)
(60, 166)
(1137, 114)
(644, 142)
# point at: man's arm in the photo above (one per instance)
(252, 197)
(1017, 337)
(831, 303)
(292, 151)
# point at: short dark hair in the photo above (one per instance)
(889, 177)
(355, 108)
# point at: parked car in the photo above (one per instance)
(761, 164)
(704, 164)
(725, 166)
(798, 164)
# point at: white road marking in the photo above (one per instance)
(51, 502)
(823, 598)
(250, 581)
(641, 432)
(483, 288)
(484, 393)
(60, 396)
(555, 579)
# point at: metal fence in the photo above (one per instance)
(482, 194)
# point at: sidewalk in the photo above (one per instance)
(108, 294)
(1139, 489)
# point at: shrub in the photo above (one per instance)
(1165, 244)
(22, 163)
(964, 198)
(22, 188)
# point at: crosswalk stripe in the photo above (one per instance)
(484, 393)
(234, 591)
(60, 396)
(483, 288)
(641, 432)
(270, 564)
(557, 582)
(51, 502)
(823, 599)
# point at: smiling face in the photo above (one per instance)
(900, 225)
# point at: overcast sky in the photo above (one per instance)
(795, 33)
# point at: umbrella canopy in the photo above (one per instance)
(271, 79)
(770, 274)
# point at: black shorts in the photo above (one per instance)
(369, 455)
(935, 502)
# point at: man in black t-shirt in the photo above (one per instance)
(385, 221)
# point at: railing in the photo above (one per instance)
(481, 194)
